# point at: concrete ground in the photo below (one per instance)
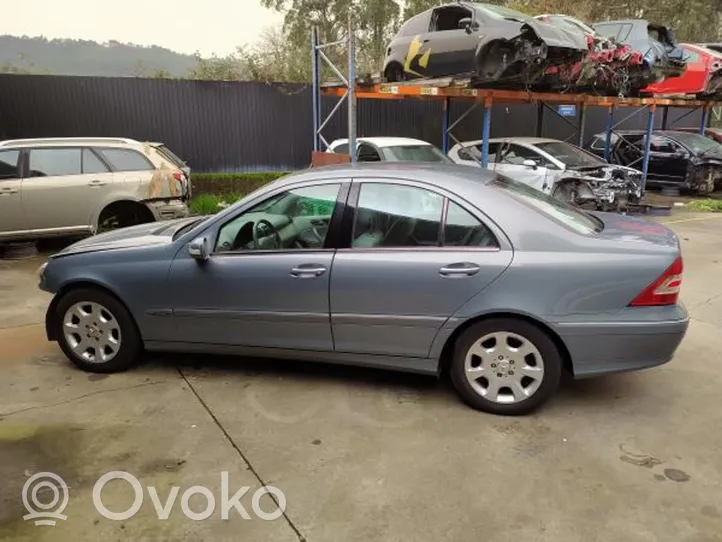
(366, 455)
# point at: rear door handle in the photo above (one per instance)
(308, 270)
(8, 190)
(459, 269)
(97, 183)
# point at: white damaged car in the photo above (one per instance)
(557, 168)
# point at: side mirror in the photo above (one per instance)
(530, 164)
(466, 24)
(198, 248)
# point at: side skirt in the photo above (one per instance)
(427, 366)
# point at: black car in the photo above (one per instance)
(663, 57)
(489, 42)
(676, 158)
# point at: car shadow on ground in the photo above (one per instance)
(589, 393)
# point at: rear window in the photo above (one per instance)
(127, 160)
(170, 155)
(414, 153)
(572, 217)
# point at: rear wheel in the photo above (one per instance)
(395, 73)
(96, 331)
(505, 366)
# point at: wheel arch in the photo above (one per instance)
(447, 351)
(122, 202)
(67, 287)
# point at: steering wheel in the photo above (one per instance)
(258, 233)
(310, 238)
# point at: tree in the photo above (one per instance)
(228, 68)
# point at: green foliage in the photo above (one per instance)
(231, 184)
(707, 205)
(82, 57)
(205, 204)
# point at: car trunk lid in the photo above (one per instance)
(642, 234)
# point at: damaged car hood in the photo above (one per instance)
(142, 235)
(553, 36)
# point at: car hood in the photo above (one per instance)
(647, 235)
(142, 235)
(555, 36)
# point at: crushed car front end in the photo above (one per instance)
(615, 187)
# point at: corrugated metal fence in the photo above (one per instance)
(242, 126)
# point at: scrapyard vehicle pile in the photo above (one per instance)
(498, 47)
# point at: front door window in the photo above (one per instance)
(296, 219)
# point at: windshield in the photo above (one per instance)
(414, 153)
(569, 155)
(698, 143)
(572, 217)
(499, 12)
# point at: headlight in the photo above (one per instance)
(41, 270)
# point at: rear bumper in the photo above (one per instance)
(168, 209)
(598, 348)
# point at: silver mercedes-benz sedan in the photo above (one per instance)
(411, 267)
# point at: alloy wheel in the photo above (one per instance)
(92, 332)
(504, 367)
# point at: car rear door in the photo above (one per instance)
(12, 217)
(57, 194)
(411, 257)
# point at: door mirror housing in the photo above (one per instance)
(468, 24)
(530, 164)
(198, 248)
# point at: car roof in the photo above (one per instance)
(526, 140)
(385, 141)
(70, 141)
(440, 174)
(636, 132)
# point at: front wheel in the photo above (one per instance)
(505, 366)
(96, 331)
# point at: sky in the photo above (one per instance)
(186, 26)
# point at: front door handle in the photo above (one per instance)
(308, 270)
(8, 190)
(460, 269)
(97, 183)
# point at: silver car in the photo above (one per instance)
(411, 267)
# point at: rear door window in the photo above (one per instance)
(55, 162)
(127, 160)
(93, 164)
(9, 164)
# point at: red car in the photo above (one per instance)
(701, 78)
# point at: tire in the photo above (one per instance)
(395, 74)
(118, 336)
(530, 392)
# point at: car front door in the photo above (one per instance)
(265, 283)
(515, 161)
(412, 258)
(12, 217)
(450, 49)
(57, 195)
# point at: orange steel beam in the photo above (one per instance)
(395, 92)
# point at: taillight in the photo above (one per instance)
(179, 176)
(664, 290)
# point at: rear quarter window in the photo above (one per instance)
(126, 160)
(557, 210)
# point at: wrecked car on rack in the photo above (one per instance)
(702, 78)
(609, 68)
(490, 43)
(559, 169)
(661, 54)
(676, 158)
